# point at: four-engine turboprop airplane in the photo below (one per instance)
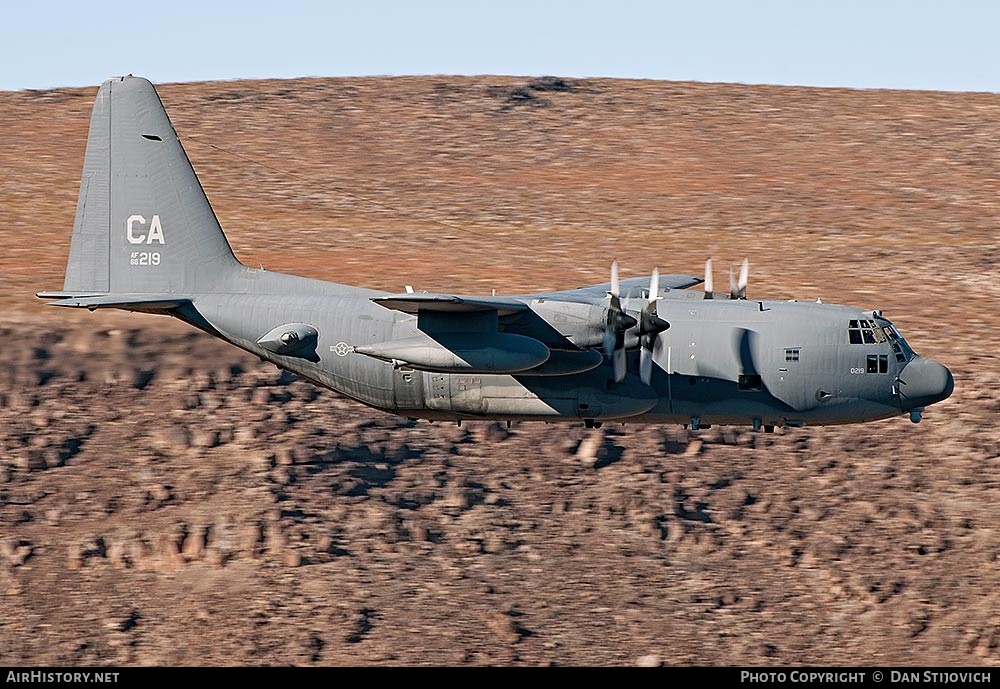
(644, 350)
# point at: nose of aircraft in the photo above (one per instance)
(923, 382)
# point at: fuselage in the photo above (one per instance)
(740, 362)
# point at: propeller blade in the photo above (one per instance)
(619, 363)
(650, 324)
(652, 348)
(650, 327)
(615, 291)
(645, 365)
(609, 341)
(708, 279)
(744, 278)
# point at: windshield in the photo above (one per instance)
(901, 349)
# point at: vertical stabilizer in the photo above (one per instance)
(143, 223)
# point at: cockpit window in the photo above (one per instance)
(869, 332)
(879, 332)
(878, 363)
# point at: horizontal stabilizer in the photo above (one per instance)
(130, 302)
(428, 301)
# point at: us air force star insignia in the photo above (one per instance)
(342, 349)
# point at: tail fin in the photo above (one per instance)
(143, 223)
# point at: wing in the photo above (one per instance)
(414, 303)
(479, 335)
(630, 288)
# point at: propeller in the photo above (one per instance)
(615, 325)
(708, 279)
(738, 289)
(650, 327)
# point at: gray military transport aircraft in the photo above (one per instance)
(643, 350)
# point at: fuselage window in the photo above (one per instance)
(878, 363)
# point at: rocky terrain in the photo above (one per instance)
(166, 499)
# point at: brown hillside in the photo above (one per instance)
(165, 499)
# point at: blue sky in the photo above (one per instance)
(949, 45)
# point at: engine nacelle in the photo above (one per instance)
(462, 352)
